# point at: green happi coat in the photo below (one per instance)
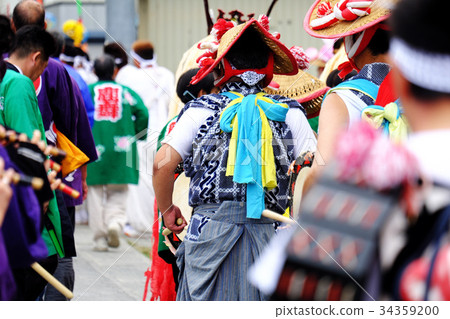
(19, 111)
(121, 119)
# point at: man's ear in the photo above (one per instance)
(201, 92)
(36, 56)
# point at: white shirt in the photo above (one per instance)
(125, 74)
(182, 135)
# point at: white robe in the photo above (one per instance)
(155, 85)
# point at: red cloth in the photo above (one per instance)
(162, 283)
(386, 92)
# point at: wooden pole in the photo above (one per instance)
(52, 280)
(279, 218)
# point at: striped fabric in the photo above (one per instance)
(214, 262)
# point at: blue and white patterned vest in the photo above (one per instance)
(206, 165)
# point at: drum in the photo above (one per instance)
(298, 173)
(298, 190)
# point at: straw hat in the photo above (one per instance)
(305, 88)
(284, 62)
(330, 19)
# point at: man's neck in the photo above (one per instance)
(17, 63)
(431, 116)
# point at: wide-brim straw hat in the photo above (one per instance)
(380, 10)
(284, 61)
(305, 88)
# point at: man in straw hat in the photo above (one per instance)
(236, 147)
(366, 38)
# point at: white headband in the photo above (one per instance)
(66, 58)
(425, 69)
(143, 62)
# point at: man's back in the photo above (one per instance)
(115, 133)
(84, 89)
(18, 104)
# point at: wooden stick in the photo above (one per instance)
(69, 190)
(266, 213)
(54, 166)
(35, 182)
(279, 218)
(167, 231)
(52, 280)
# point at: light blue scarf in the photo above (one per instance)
(250, 159)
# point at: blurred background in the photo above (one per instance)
(173, 26)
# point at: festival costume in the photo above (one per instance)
(361, 90)
(20, 112)
(223, 228)
(61, 103)
(84, 89)
(20, 236)
(115, 135)
(345, 18)
(155, 86)
(17, 90)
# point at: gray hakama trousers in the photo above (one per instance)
(220, 246)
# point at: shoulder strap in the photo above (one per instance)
(361, 85)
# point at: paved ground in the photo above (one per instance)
(116, 275)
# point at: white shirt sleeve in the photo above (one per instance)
(184, 132)
(354, 105)
(302, 133)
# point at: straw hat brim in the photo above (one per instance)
(305, 88)
(380, 11)
(284, 61)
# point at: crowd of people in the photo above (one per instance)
(256, 223)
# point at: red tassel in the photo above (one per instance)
(162, 282)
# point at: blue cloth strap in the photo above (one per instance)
(248, 164)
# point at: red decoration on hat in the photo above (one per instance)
(273, 85)
(344, 10)
(324, 9)
(220, 28)
(264, 21)
(301, 57)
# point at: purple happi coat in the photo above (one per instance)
(61, 102)
(21, 243)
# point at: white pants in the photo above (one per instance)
(141, 198)
(106, 205)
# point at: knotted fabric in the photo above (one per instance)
(389, 119)
(344, 10)
(250, 156)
